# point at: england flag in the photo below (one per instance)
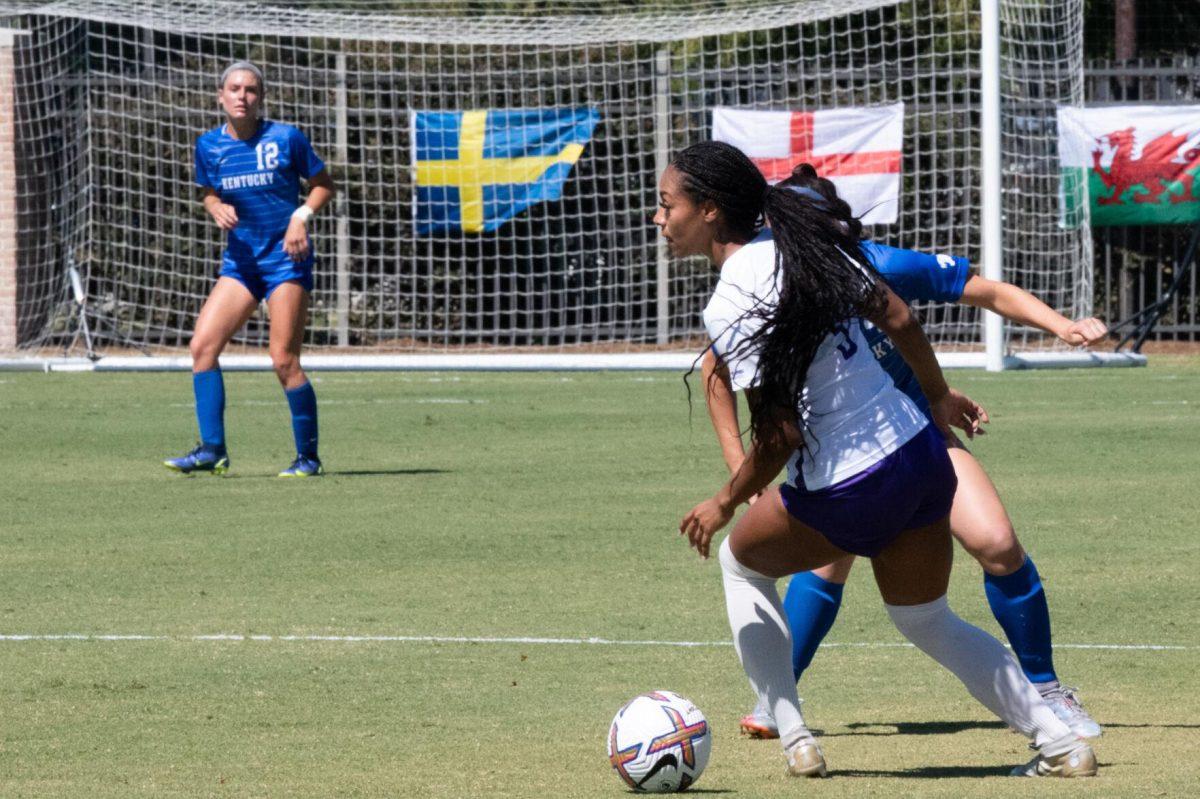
(859, 149)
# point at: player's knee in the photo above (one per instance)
(1004, 562)
(997, 549)
(286, 365)
(725, 556)
(918, 623)
(732, 564)
(836, 572)
(749, 557)
(204, 353)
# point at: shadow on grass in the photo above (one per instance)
(347, 473)
(385, 472)
(690, 791)
(930, 772)
(1108, 726)
(916, 727)
(952, 727)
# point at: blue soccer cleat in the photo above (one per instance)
(201, 459)
(303, 466)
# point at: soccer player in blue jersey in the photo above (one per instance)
(250, 170)
(978, 518)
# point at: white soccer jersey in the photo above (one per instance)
(856, 417)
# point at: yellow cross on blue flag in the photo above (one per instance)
(474, 170)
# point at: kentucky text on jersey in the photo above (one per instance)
(244, 181)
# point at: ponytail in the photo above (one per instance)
(820, 287)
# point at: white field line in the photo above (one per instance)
(462, 639)
(377, 401)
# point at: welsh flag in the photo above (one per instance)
(857, 148)
(1133, 165)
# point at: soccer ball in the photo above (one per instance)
(659, 742)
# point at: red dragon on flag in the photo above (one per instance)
(1130, 165)
(1164, 162)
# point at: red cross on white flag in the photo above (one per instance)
(859, 149)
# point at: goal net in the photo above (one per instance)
(108, 98)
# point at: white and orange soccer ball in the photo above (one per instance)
(659, 742)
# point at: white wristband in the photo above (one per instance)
(303, 213)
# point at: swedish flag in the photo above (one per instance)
(476, 169)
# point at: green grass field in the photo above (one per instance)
(510, 506)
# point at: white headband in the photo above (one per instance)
(238, 66)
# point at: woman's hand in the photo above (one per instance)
(955, 409)
(702, 523)
(295, 241)
(224, 215)
(1084, 332)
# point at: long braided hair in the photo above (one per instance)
(820, 287)
(805, 179)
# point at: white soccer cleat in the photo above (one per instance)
(761, 726)
(1078, 761)
(1066, 706)
(805, 758)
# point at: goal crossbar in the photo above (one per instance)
(425, 25)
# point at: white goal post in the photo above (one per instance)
(108, 96)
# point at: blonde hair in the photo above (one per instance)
(238, 66)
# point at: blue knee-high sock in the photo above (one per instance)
(811, 605)
(209, 388)
(1018, 602)
(303, 402)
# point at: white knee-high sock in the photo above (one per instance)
(990, 673)
(763, 643)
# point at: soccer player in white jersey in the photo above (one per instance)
(978, 519)
(250, 169)
(868, 472)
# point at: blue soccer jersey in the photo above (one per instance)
(260, 178)
(915, 277)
